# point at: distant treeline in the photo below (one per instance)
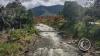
(41, 19)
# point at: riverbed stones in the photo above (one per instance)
(52, 45)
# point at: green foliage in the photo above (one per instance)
(10, 49)
(14, 15)
(81, 28)
(21, 31)
(98, 43)
(94, 11)
(22, 34)
(72, 10)
(72, 16)
(57, 23)
(17, 41)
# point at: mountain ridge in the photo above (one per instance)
(47, 10)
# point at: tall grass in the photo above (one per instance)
(10, 49)
(17, 41)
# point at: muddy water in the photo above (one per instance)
(52, 45)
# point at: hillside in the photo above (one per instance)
(47, 10)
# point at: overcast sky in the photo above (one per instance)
(35, 3)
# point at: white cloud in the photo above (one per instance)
(35, 3)
(4, 2)
(86, 3)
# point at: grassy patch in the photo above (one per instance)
(18, 40)
(10, 49)
(98, 43)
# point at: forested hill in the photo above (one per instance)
(47, 10)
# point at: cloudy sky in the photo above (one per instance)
(35, 3)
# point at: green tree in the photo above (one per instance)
(15, 15)
(94, 11)
(72, 12)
